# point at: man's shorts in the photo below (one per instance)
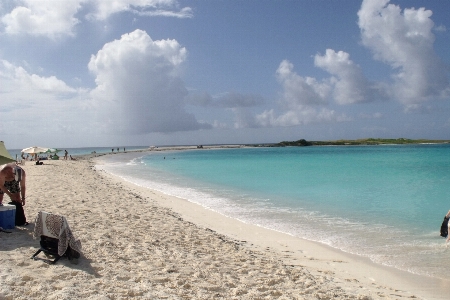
(12, 186)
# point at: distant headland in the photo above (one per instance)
(368, 141)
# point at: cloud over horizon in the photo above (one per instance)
(403, 40)
(116, 79)
(139, 89)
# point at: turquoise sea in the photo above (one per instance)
(386, 203)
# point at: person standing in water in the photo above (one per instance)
(444, 227)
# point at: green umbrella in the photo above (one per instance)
(52, 150)
(5, 157)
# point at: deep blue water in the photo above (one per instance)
(382, 202)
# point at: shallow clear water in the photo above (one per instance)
(382, 202)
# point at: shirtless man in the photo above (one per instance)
(12, 183)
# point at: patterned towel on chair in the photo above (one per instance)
(56, 226)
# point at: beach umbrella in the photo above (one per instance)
(34, 150)
(52, 150)
(5, 157)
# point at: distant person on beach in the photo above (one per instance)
(71, 158)
(444, 227)
(12, 183)
(65, 154)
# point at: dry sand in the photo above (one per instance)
(141, 244)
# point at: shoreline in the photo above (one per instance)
(297, 251)
(143, 244)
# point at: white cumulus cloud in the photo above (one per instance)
(51, 18)
(404, 40)
(302, 101)
(139, 89)
(299, 90)
(36, 106)
(20, 88)
(350, 84)
(56, 18)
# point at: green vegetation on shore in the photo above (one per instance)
(369, 141)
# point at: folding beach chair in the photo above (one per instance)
(56, 237)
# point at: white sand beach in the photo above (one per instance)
(141, 244)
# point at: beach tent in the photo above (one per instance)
(34, 150)
(5, 157)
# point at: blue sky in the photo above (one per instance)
(79, 73)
